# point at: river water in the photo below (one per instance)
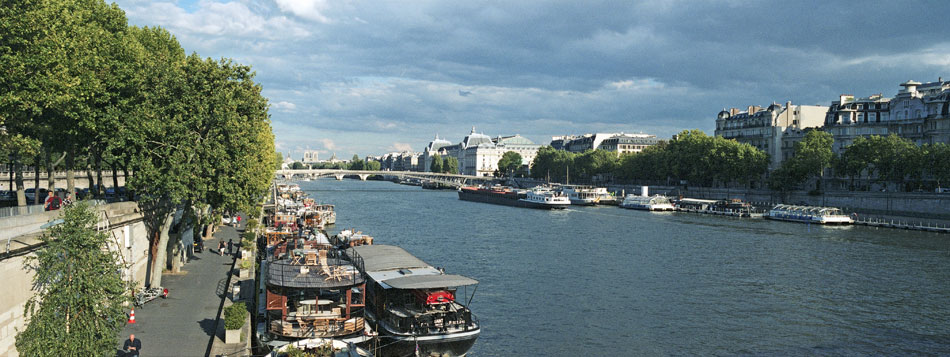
(595, 281)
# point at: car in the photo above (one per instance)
(943, 190)
(7, 195)
(31, 194)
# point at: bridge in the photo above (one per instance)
(454, 180)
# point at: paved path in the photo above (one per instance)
(184, 324)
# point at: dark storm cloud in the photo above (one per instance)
(370, 75)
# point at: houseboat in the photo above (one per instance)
(310, 291)
(415, 308)
(647, 203)
(585, 195)
(809, 214)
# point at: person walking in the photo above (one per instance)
(221, 247)
(52, 202)
(230, 245)
(68, 200)
(132, 346)
(239, 220)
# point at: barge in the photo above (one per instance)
(506, 196)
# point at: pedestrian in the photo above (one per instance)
(230, 244)
(52, 202)
(132, 346)
(221, 247)
(239, 220)
(68, 200)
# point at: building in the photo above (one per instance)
(310, 157)
(478, 154)
(615, 142)
(628, 143)
(919, 113)
(766, 128)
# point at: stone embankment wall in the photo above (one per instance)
(19, 238)
(907, 204)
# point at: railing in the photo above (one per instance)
(32, 209)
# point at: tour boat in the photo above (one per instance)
(415, 308)
(545, 198)
(647, 203)
(734, 208)
(809, 214)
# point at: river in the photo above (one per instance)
(608, 281)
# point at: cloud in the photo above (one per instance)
(367, 73)
(308, 9)
(284, 106)
(328, 144)
(397, 146)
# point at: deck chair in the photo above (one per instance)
(323, 257)
(311, 259)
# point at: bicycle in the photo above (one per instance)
(148, 294)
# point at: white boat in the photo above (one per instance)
(809, 214)
(542, 197)
(647, 203)
(584, 195)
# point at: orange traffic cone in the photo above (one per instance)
(132, 317)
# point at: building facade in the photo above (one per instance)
(766, 128)
(478, 154)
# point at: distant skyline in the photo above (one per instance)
(370, 77)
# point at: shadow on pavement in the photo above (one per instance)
(208, 325)
(222, 287)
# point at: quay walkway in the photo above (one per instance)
(186, 323)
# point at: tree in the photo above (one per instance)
(450, 165)
(356, 163)
(371, 165)
(77, 309)
(813, 154)
(854, 160)
(510, 163)
(436, 165)
(297, 166)
(937, 162)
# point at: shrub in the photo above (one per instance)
(234, 316)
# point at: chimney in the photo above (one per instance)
(733, 111)
(749, 109)
(788, 105)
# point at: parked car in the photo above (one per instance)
(943, 190)
(7, 195)
(31, 194)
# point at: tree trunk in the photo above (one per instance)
(99, 185)
(20, 190)
(115, 180)
(89, 181)
(36, 181)
(50, 173)
(160, 250)
(70, 175)
(125, 176)
(11, 176)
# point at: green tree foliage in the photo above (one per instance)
(356, 163)
(77, 309)
(510, 163)
(371, 165)
(550, 163)
(812, 155)
(936, 161)
(436, 165)
(297, 165)
(450, 165)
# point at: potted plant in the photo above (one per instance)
(234, 317)
(245, 268)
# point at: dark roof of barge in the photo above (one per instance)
(282, 273)
(430, 281)
(380, 257)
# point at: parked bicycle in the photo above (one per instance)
(148, 294)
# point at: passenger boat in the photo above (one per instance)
(501, 195)
(647, 203)
(545, 198)
(809, 214)
(414, 307)
(585, 195)
(734, 208)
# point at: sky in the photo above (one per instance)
(371, 77)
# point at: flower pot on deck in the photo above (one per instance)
(232, 336)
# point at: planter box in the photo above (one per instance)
(244, 273)
(232, 336)
(236, 292)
